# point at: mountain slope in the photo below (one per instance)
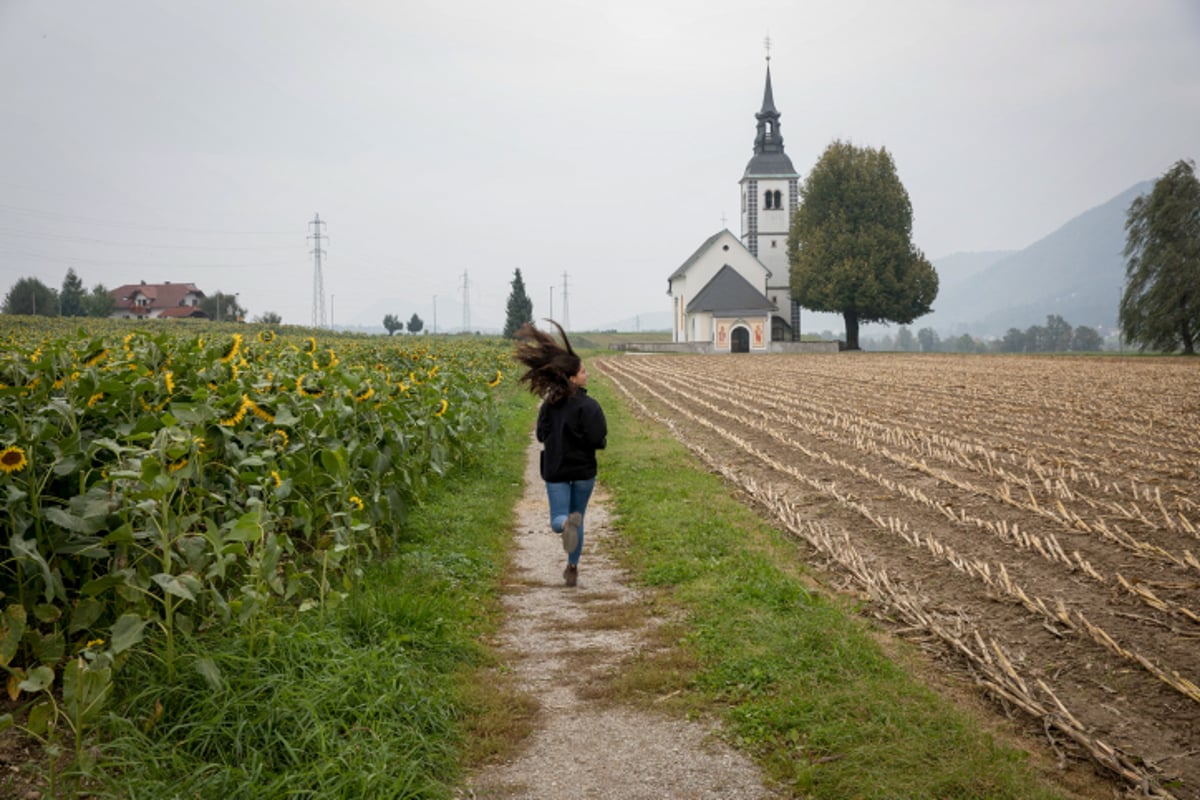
(1076, 272)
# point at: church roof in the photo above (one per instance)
(703, 248)
(769, 158)
(728, 292)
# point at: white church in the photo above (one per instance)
(732, 294)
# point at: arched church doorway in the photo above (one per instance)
(739, 340)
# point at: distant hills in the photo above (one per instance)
(1077, 272)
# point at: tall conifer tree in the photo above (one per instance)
(520, 307)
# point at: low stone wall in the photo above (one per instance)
(806, 347)
(706, 347)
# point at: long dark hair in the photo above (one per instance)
(551, 365)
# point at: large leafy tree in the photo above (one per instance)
(223, 307)
(850, 244)
(392, 323)
(520, 307)
(415, 324)
(1160, 308)
(71, 296)
(99, 302)
(31, 296)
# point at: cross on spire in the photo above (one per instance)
(767, 45)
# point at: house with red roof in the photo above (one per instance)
(157, 300)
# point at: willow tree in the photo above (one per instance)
(1160, 308)
(850, 242)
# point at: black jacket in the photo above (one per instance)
(571, 431)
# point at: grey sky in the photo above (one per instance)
(193, 141)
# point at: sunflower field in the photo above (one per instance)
(165, 479)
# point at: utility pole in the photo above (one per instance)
(566, 314)
(551, 314)
(466, 302)
(435, 314)
(318, 310)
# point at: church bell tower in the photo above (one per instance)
(770, 194)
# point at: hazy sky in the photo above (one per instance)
(194, 141)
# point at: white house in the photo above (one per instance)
(152, 300)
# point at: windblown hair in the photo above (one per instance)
(550, 364)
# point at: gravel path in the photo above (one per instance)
(555, 647)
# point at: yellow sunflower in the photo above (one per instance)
(232, 348)
(301, 388)
(95, 357)
(238, 415)
(257, 410)
(442, 410)
(12, 459)
(496, 382)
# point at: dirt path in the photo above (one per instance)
(558, 640)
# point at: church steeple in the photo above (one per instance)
(770, 195)
(769, 158)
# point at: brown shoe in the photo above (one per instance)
(571, 574)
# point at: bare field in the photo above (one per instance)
(1035, 518)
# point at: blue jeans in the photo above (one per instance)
(567, 498)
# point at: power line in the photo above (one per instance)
(60, 259)
(62, 237)
(58, 216)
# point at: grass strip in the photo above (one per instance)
(801, 682)
(374, 702)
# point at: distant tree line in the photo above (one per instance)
(1056, 336)
(32, 297)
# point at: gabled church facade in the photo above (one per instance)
(719, 296)
(734, 293)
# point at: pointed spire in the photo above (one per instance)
(768, 106)
(769, 158)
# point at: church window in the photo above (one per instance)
(767, 200)
(778, 199)
(774, 243)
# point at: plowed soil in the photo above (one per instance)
(1037, 517)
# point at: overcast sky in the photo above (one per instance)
(195, 141)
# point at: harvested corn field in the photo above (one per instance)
(1035, 520)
